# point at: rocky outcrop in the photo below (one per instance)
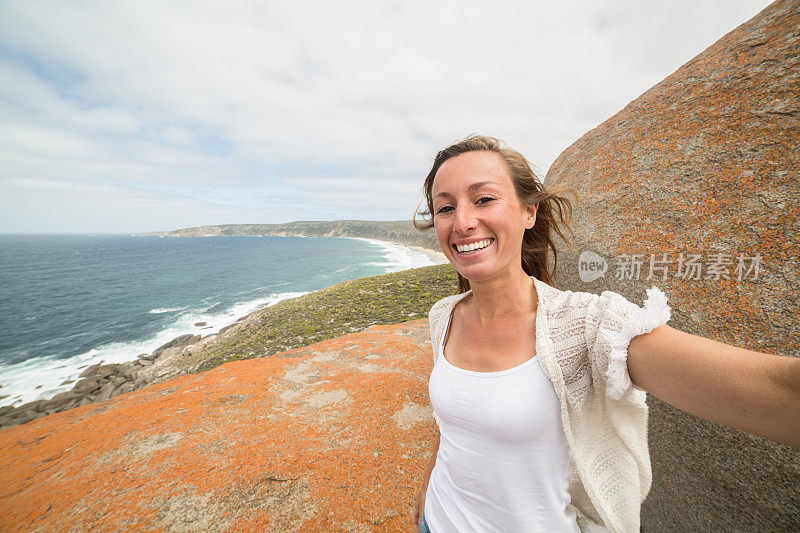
(101, 382)
(331, 437)
(400, 232)
(706, 164)
(176, 344)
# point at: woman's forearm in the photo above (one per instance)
(431, 463)
(746, 390)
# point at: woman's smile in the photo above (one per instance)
(472, 247)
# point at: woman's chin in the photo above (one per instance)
(476, 273)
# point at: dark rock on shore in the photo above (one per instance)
(97, 383)
(177, 342)
(345, 308)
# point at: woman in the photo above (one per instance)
(560, 445)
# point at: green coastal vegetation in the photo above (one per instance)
(332, 312)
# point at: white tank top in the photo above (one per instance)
(503, 459)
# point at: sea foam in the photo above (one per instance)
(398, 257)
(43, 377)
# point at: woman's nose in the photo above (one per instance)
(465, 220)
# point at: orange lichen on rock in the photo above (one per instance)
(704, 163)
(332, 436)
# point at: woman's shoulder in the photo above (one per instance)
(554, 299)
(442, 308)
(437, 317)
(588, 306)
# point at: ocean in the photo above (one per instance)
(70, 301)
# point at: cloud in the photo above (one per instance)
(331, 109)
(37, 205)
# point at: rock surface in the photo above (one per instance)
(706, 162)
(331, 437)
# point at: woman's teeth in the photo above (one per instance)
(466, 248)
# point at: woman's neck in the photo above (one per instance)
(499, 298)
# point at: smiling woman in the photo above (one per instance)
(560, 445)
(498, 168)
(479, 219)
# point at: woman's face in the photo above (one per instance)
(479, 220)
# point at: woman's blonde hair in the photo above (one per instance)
(536, 241)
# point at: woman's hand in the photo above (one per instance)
(419, 506)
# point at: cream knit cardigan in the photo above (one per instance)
(582, 345)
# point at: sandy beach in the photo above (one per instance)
(435, 255)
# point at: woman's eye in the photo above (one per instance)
(444, 209)
(485, 199)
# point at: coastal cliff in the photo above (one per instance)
(400, 232)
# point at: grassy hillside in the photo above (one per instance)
(344, 308)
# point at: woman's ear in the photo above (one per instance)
(531, 220)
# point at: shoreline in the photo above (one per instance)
(169, 364)
(158, 366)
(433, 254)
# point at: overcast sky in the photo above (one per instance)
(138, 116)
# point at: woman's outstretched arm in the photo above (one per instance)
(752, 391)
